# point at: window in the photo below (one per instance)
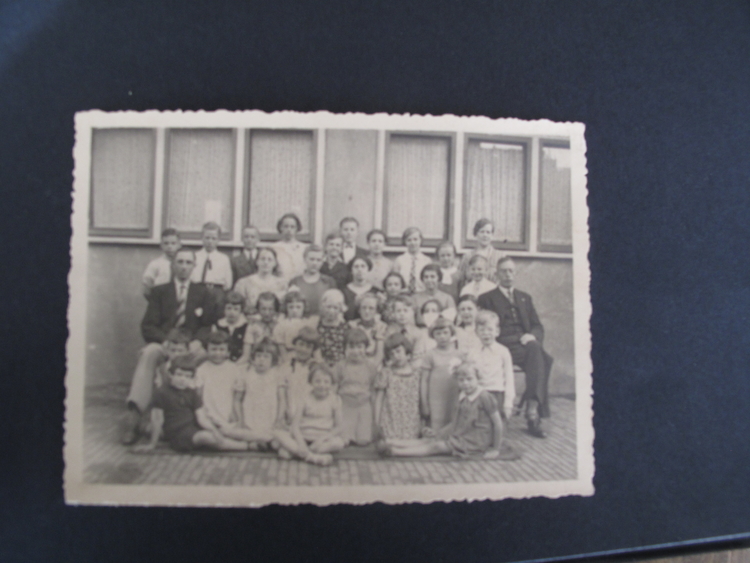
(122, 182)
(495, 187)
(417, 186)
(200, 179)
(282, 179)
(555, 221)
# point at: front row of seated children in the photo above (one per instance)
(439, 403)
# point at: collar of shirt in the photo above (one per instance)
(471, 397)
(250, 254)
(242, 320)
(178, 284)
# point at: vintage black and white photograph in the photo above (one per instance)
(319, 308)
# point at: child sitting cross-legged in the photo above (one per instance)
(397, 399)
(475, 430)
(355, 377)
(316, 426)
(257, 397)
(218, 376)
(234, 324)
(178, 412)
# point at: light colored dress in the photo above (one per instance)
(318, 415)
(442, 390)
(381, 267)
(291, 258)
(467, 339)
(218, 388)
(399, 417)
(260, 400)
(294, 374)
(406, 264)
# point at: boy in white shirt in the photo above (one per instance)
(159, 270)
(212, 268)
(494, 363)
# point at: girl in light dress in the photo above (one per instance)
(466, 335)
(429, 313)
(290, 251)
(294, 307)
(381, 266)
(431, 276)
(484, 231)
(402, 321)
(315, 431)
(411, 262)
(397, 393)
(439, 390)
(477, 282)
(267, 278)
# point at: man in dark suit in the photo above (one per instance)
(178, 304)
(522, 333)
(243, 264)
(349, 229)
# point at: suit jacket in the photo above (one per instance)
(161, 314)
(496, 301)
(242, 266)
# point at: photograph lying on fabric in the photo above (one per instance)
(318, 308)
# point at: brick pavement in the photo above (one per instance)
(106, 461)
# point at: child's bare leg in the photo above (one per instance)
(208, 439)
(425, 448)
(328, 445)
(287, 441)
(245, 434)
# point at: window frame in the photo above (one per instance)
(526, 142)
(431, 242)
(542, 246)
(196, 235)
(309, 237)
(123, 232)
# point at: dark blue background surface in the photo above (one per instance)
(664, 91)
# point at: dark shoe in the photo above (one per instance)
(130, 423)
(535, 429)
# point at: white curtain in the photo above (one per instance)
(417, 184)
(495, 189)
(556, 221)
(201, 174)
(122, 178)
(281, 177)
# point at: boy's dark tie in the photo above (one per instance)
(181, 302)
(206, 268)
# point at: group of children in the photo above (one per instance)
(319, 348)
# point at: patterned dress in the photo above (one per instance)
(399, 418)
(442, 390)
(332, 341)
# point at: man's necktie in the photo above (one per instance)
(206, 268)
(181, 302)
(413, 275)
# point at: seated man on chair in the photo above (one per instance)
(178, 304)
(522, 333)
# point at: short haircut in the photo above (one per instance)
(348, 220)
(253, 227)
(356, 336)
(505, 259)
(422, 308)
(441, 322)
(481, 224)
(312, 248)
(395, 275)
(394, 341)
(294, 296)
(476, 258)
(332, 236)
(364, 259)
(269, 296)
(269, 346)
(184, 249)
(333, 297)
(170, 232)
(410, 231)
(289, 216)
(467, 297)
(178, 336)
(487, 318)
(405, 299)
(210, 226)
(445, 243)
(320, 368)
(184, 362)
(309, 335)
(466, 367)
(364, 296)
(432, 268)
(234, 298)
(217, 338)
(376, 232)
